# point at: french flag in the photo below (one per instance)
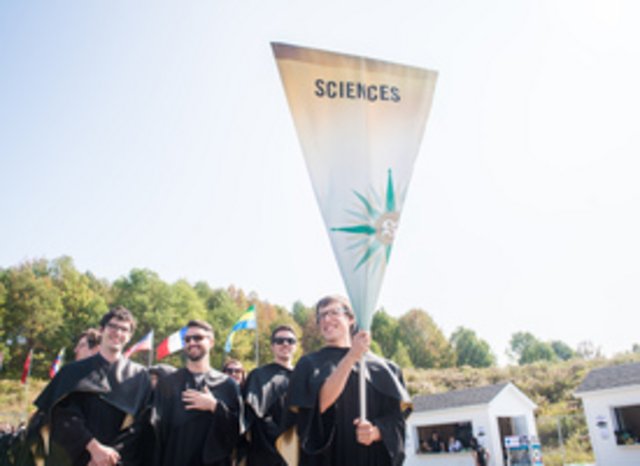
(145, 344)
(171, 344)
(55, 367)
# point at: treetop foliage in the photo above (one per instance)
(46, 304)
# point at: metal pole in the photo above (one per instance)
(363, 391)
(150, 357)
(257, 341)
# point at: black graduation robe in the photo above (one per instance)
(265, 412)
(329, 439)
(93, 398)
(193, 437)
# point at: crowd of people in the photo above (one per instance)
(106, 410)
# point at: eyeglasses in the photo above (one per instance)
(283, 340)
(195, 338)
(116, 327)
(232, 370)
(333, 312)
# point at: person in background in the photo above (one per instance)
(480, 455)
(234, 369)
(88, 344)
(454, 445)
(436, 445)
(264, 396)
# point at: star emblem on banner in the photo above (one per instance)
(375, 224)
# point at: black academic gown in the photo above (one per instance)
(264, 394)
(329, 439)
(93, 398)
(194, 437)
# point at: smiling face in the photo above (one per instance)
(198, 343)
(283, 345)
(335, 321)
(116, 334)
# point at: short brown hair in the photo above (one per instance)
(282, 328)
(206, 326)
(335, 298)
(120, 313)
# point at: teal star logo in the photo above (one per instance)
(375, 224)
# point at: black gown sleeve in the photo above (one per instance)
(224, 430)
(315, 430)
(69, 425)
(392, 428)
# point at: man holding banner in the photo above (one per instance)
(324, 392)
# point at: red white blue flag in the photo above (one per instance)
(57, 364)
(171, 344)
(145, 344)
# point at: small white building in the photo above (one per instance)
(488, 413)
(611, 400)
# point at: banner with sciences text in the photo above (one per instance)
(360, 124)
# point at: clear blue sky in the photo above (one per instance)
(157, 134)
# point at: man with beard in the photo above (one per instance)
(91, 405)
(324, 391)
(196, 410)
(264, 395)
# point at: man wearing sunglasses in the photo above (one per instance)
(91, 404)
(264, 396)
(324, 392)
(197, 409)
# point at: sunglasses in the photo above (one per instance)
(283, 340)
(195, 338)
(233, 370)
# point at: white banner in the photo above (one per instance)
(360, 123)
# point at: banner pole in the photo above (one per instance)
(363, 391)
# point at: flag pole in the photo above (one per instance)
(363, 391)
(257, 340)
(25, 413)
(150, 356)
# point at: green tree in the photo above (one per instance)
(401, 356)
(33, 315)
(426, 344)
(302, 313)
(384, 330)
(562, 350)
(471, 350)
(519, 342)
(83, 304)
(527, 349)
(157, 305)
(537, 351)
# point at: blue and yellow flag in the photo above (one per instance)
(247, 321)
